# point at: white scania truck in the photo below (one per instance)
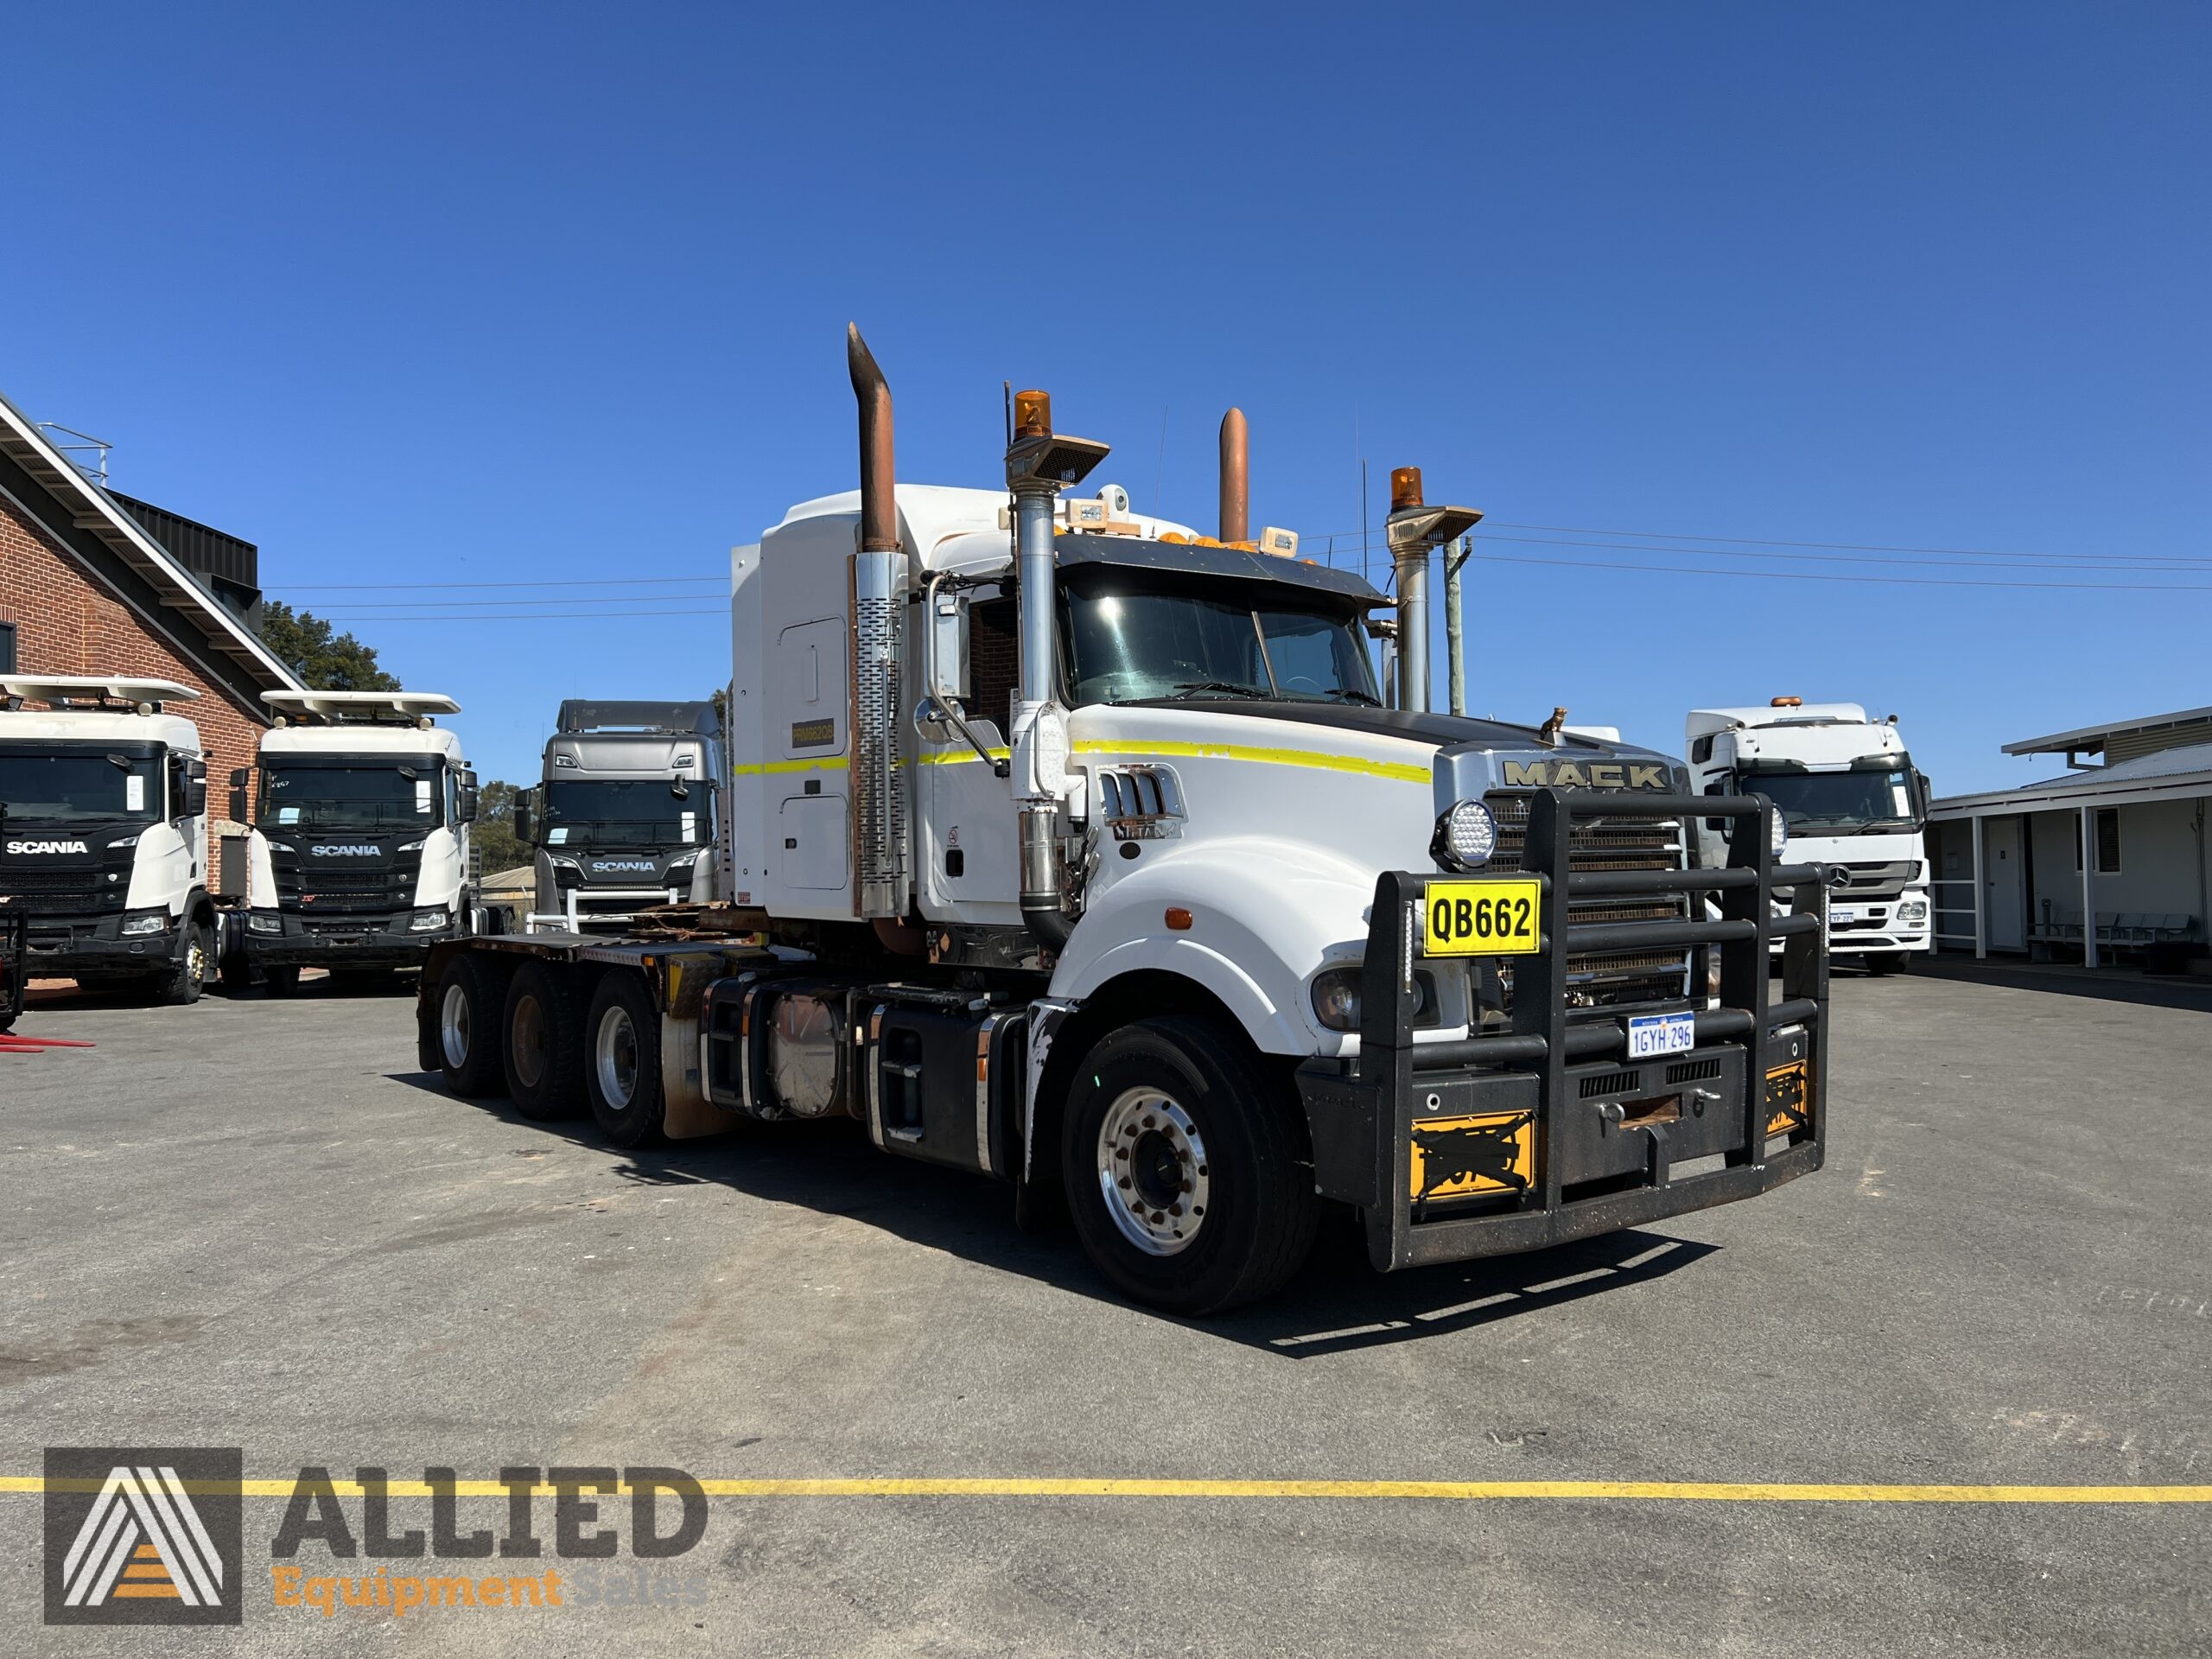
(104, 834)
(359, 861)
(1071, 847)
(625, 813)
(1851, 801)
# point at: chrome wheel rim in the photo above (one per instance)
(1153, 1172)
(526, 1042)
(195, 959)
(616, 1057)
(453, 1025)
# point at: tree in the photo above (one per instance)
(325, 660)
(493, 831)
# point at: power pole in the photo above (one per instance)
(1455, 556)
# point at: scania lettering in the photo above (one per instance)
(103, 833)
(1850, 799)
(1073, 848)
(360, 855)
(626, 813)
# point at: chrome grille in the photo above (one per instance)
(1614, 978)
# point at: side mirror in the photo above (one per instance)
(241, 776)
(522, 826)
(195, 788)
(466, 805)
(1926, 791)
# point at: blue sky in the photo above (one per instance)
(413, 295)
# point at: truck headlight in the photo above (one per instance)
(428, 921)
(411, 847)
(141, 923)
(1777, 834)
(1465, 837)
(263, 921)
(1913, 910)
(1336, 997)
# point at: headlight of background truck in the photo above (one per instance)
(1913, 910)
(141, 923)
(262, 921)
(428, 921)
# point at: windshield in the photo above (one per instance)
(1843, 801)
(79, 785)
(366, 796)
(1128, 647)
(621, 812)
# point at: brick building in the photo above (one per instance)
(92, 582)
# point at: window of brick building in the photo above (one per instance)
(7, 647)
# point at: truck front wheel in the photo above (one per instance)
(182, 982)
(622, 1061)
(1182, 1171)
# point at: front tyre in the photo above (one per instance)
(182, 982)
(622, 1061)
(1884, 963)
(1182, 1169)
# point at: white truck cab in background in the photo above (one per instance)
(103, 832)
(359, 853)
(1851, 799)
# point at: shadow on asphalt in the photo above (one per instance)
(2100, 984)
(1337, 1302)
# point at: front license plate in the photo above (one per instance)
(1661, 1034)
(1842, 913)
(1496, 917)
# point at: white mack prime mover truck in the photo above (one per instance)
(359, 861)
(1072, 847)
(1851, 801)
(104, 834)
(625, 813)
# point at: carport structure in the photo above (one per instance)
(2113, 856)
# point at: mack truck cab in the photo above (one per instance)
(359, 855)
(624, 815)
(1074, 848)
(104, 834)
(1851, 801)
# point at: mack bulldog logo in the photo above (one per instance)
(19, 847)
(1584, 774)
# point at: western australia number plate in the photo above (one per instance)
(1661, 1034)
(1494, 916)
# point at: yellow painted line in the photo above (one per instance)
(826, 763)
(1312, 759)
(1448, 1491)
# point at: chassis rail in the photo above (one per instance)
(1365, 1123)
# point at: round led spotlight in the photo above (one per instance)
(1465, 837)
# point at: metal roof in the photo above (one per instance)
(2168, 774)
(2088, 738)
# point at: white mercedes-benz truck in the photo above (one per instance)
(104, 834)
(359, 861)
(1850, 801)
(1076, 849)
(625, 813)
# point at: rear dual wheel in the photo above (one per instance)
(622, 1060)
(545, 1045)
(470, 1002)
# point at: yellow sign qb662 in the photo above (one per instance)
(1493, 916)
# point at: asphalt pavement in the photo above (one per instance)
(254, 1224)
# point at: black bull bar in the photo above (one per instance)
(1545, 1131)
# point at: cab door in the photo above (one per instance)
(970, 855)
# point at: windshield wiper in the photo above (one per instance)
(1184, 689)
(1345, 694)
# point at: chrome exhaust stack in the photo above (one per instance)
(878, 597)
(1414, 528)
(1039, 464)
